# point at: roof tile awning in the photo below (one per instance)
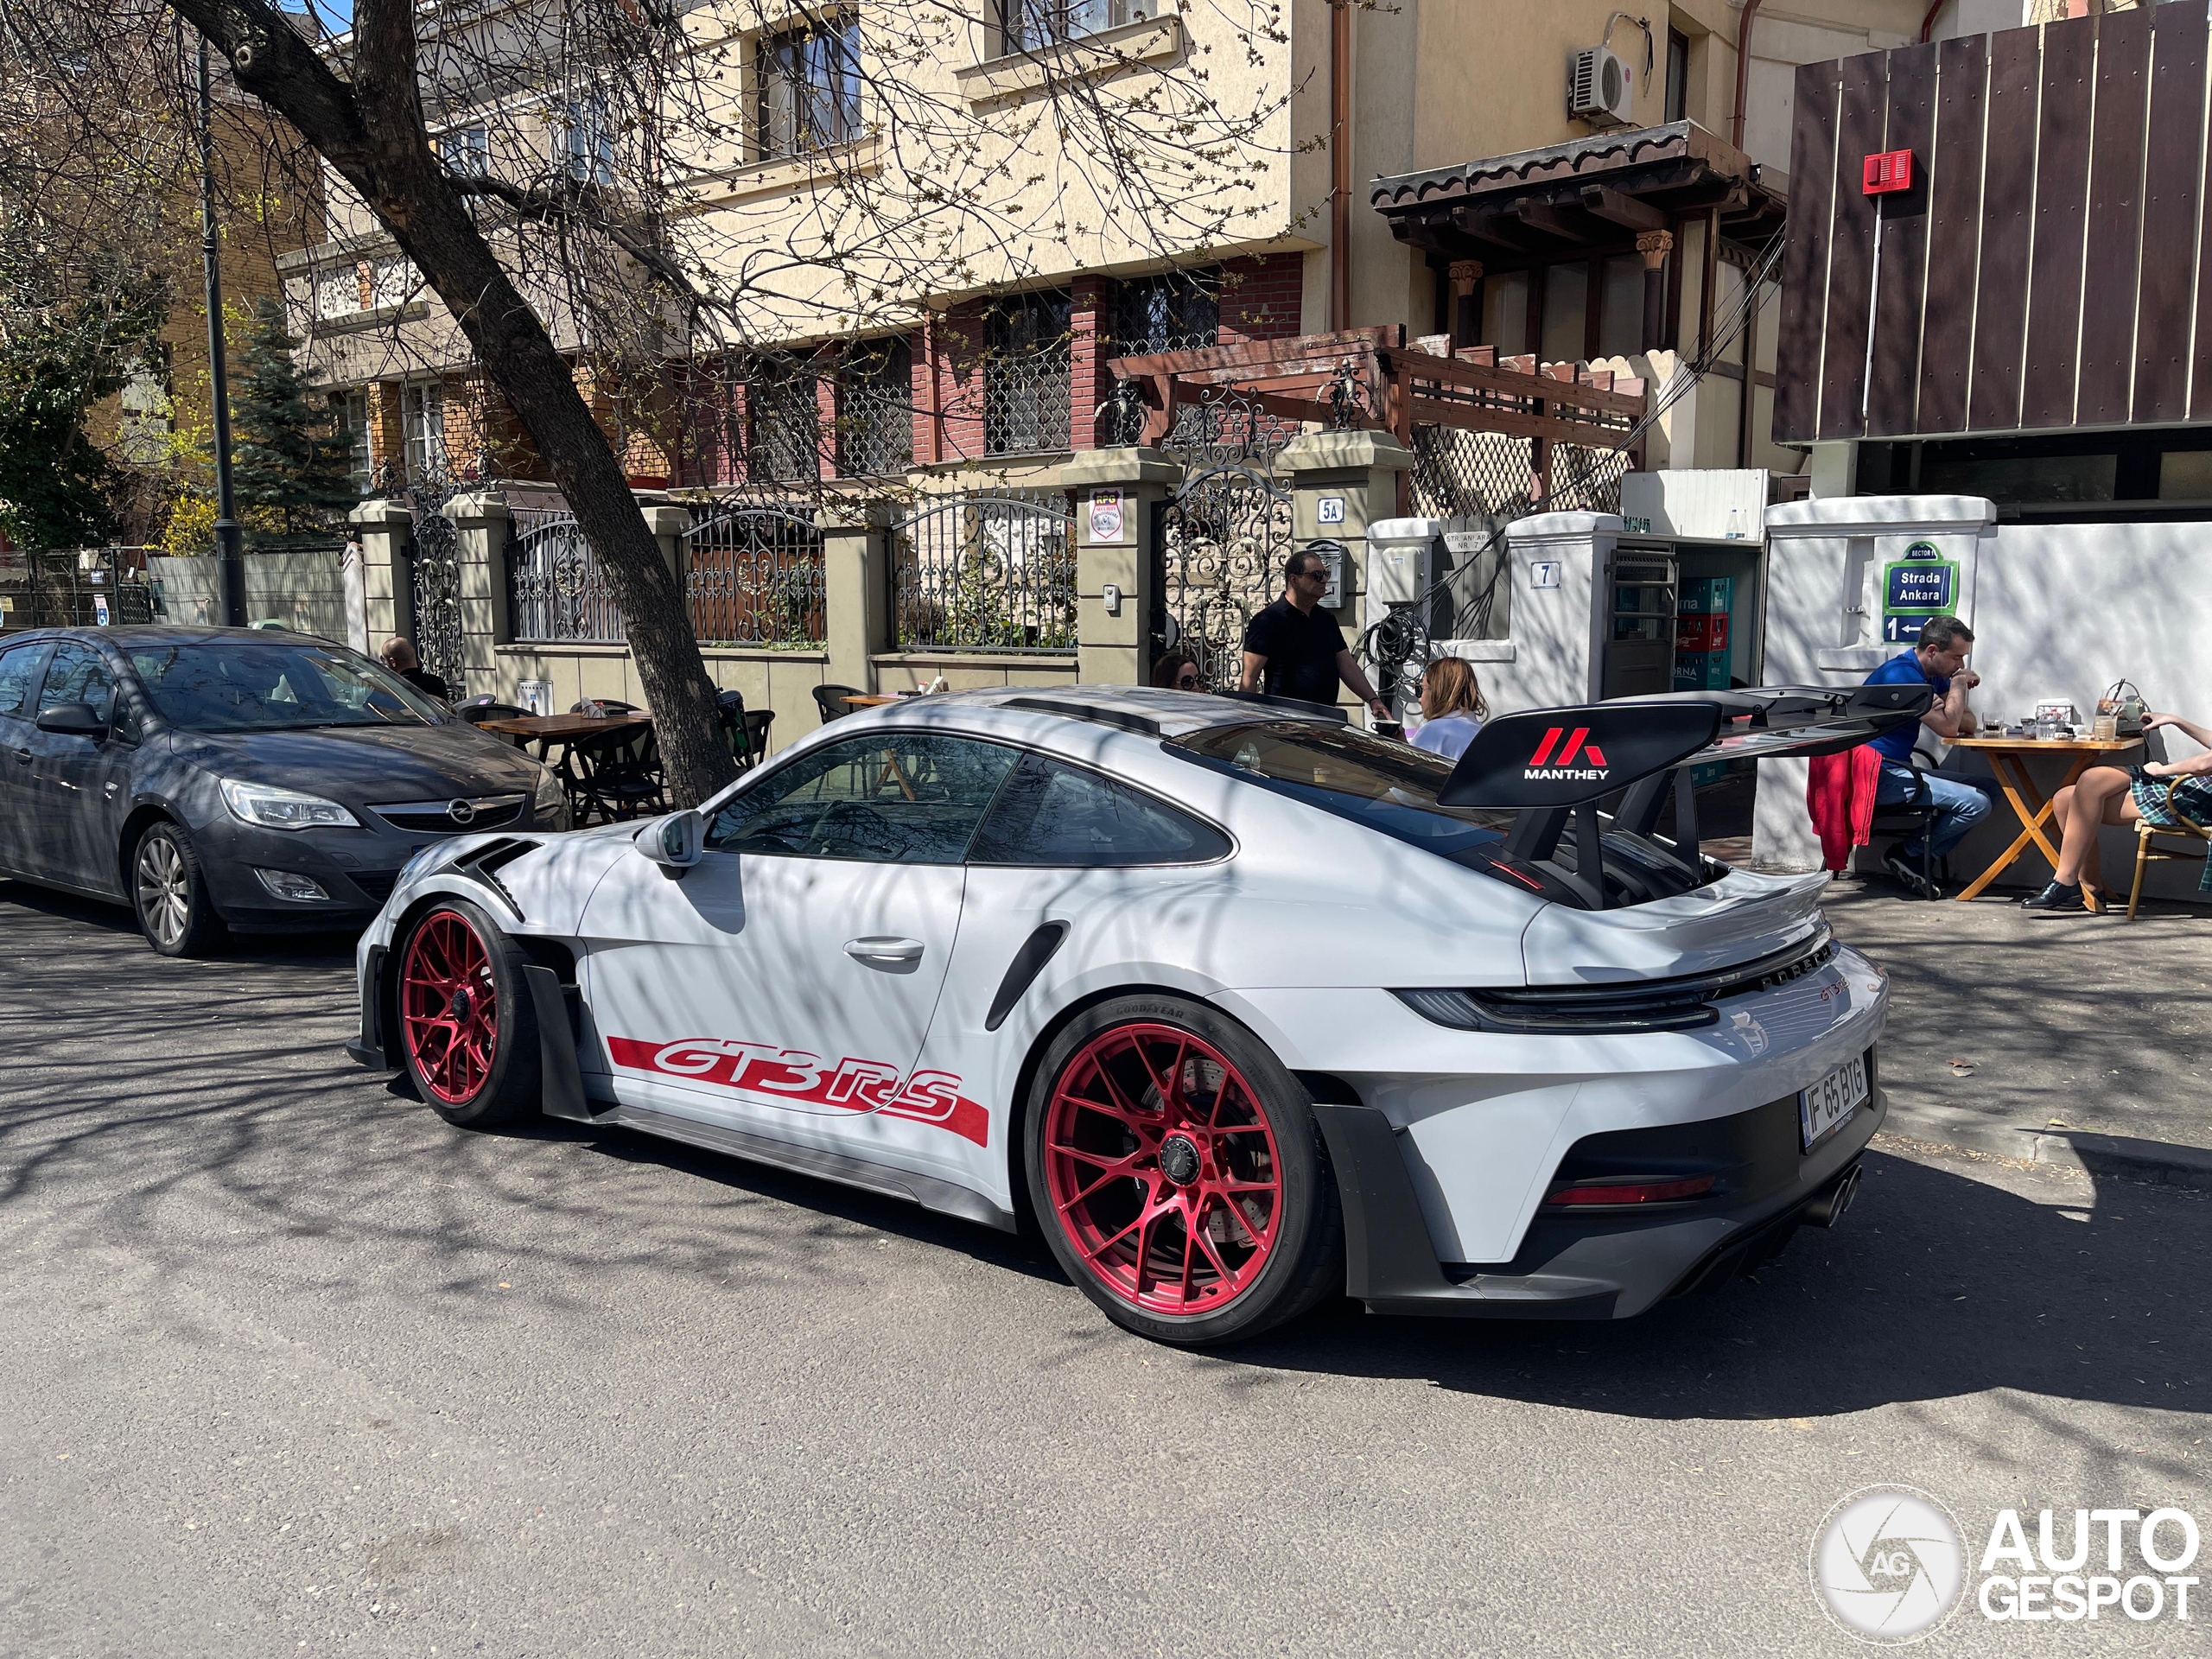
(1583, 199)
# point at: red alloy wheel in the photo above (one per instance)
(449, 1007)
(1162, 1169)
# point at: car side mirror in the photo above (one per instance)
(675, 842)
(72, 720)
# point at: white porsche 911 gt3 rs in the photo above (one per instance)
(1240, 1005)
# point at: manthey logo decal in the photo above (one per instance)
(776, 1076)
(1545, 767)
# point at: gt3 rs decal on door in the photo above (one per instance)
(785, 1077)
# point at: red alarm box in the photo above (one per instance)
(1890, 171)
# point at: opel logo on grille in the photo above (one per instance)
(461, 812)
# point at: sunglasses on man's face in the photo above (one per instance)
(1320, 574)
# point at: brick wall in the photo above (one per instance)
(956, 345)
(1091, 323)
(1261, 296)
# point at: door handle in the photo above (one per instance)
(875, 950)
(24, 755)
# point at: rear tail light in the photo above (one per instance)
(1672, 1190)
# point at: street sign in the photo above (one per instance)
(1916, 590)
(99, 609)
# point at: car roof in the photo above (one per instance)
(164, 633)
(1146, 711)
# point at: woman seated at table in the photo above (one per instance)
(2159, 794)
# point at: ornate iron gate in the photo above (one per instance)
(753, 576)
(1221, 538)
(557, 592)
(434, 583)
(984, 573)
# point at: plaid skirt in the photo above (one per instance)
(2176, 804)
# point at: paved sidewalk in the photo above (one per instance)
(2085, 1040)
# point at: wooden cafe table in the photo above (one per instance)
(567, 731)
(2008, 759)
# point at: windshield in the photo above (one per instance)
(244, 685)
(1389, 787)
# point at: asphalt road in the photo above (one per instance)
(291, 1367)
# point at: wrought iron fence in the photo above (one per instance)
(557, 593)
(63, 587)
(1224, 536)
(753, 576)
(985, 573)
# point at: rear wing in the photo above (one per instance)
(1549, 765)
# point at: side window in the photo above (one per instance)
(1053, 814)
(17, 670)
(79, 674)
(900, 797)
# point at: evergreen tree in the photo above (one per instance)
(60, 353)
(290, 469)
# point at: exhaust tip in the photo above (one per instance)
(1827, 1206)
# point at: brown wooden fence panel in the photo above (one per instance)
(2115, 218)
(2061, 209)
(2173, 190)
(2008, 193)
(1954, 235)
(1805, 257)
(1843, 366)
(1891, 396)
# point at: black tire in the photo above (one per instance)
(451, 955)
(169, 893)
(1300, 1263)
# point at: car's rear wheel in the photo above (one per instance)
(169, 890)
(467, 1031)
(1178, 1174)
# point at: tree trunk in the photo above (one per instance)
(372, 130)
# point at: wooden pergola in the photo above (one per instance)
(1373, 379)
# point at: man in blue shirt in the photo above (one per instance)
(1939, 660)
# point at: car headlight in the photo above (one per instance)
(268, 807)
(413, 859)
(551, 797)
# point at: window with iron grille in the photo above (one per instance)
(1027, 25)
(1028, 363)
(467, 151)
(875, 409)
(589, 140)
(1177, 311)
(810, 88)
(786, 424)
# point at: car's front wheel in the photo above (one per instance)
(467, 1031)
(169, 890)
(1178, 1174)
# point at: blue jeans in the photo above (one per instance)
(1958, 806)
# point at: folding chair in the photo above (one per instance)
(618, 775)
(2147, 851)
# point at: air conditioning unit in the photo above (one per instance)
(1598, 87)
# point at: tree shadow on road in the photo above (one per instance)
(1935, 1285)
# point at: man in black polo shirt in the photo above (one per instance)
(1294, 649)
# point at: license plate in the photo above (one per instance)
(1824, 1106)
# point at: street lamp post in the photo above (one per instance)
(230, 559)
